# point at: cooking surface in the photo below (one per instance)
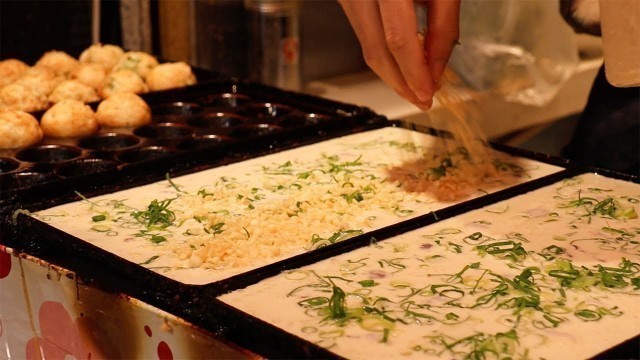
(215, 115)
(245, 215)
(552, 272)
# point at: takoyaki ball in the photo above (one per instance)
(73, 89)
(18, 129)
(41, 79)
(137, 61)
(123, 110)
(106, 56)
(69, 118)
(123, 81)
(170, 75)
(11, 70)
(20, 96)
(60, 62)
(42, 72)
(90, 74)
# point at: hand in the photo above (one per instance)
(387, 31)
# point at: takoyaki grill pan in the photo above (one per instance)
(196, 124)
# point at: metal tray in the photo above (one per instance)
(234, 323)
(60, 244)
(219, 116)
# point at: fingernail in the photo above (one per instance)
(437, 68)
(424, 97)
(424, 106)
(429, 104)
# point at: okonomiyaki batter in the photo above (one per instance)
(212, 224)
(545, 275)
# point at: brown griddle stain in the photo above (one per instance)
(119, 328)
(91, 328)
(108, 322)
(205, 345)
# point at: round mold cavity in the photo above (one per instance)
(217, 120)
(164, 131)
(7, 165)
(84, 167)
(144, 154)
(176, 108)
(265, 111)
(109, 142)
(249, 131)
(301, 119)
(203, 141)
(49, 154)
(25, 179)
(226, 100)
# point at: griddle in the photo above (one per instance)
(198, 303)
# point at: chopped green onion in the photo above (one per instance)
(337, 303)
(100, 228)
(588, 315)
(150, 260)
(97, 218)
(367, 283)
(156, 239)
(157, 215)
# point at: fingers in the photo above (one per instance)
(398, 69)
(400, 31)
(443, 30)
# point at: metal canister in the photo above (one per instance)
(273, 49)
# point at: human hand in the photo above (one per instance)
(387, 31)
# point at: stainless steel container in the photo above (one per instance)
(273, 46)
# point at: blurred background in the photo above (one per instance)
(221, 35)
(210, 34)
